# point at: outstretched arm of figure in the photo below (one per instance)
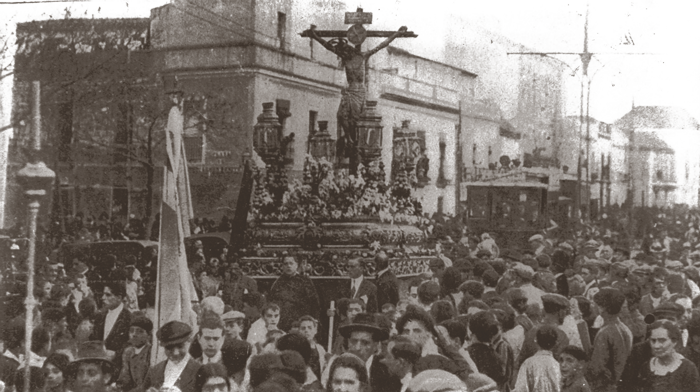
(386, 42)
(326, 44)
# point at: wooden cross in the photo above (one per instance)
(357, 34)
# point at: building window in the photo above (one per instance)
(124, 124)
(442, 181)
(65, 130)
(120, 202)
(194, 148)
(282, 29)
(65, 202)
(313, 117)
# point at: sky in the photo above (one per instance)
(666, 28)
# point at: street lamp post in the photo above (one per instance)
(35, 179)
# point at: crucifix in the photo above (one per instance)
(355, 62)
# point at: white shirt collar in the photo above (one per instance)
(310, 376)
(116, 310)
(368, 364)
(174, 370)
(405, 381)
(137, 350)
(357, 282)
(429, 348)
(111, 319)
(216, 358)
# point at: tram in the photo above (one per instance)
(512, 211)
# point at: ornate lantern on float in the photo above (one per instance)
(321, 145)
(407, 146)
(369, 133)
(266, 134)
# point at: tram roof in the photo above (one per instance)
(512, 184)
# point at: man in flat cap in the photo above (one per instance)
(555, 309)
(136, 359)
(92, 370)
(613, 342)
(234, 324)
(590, 250)
(180, 369)
(523, 276)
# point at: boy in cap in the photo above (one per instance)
(179, 369)
(555, 310)
(92, 371)
(136, 359)
(612, 344)
(523, 275)
(234, 323)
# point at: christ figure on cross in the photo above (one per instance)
(354, 95)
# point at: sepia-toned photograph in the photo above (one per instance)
(348, 196)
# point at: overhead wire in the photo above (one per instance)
(221, 17)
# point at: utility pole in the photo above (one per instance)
(585, 57)
(35, 179)
(459, 165)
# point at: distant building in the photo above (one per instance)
(252, 53)
(604, 166)
(665, 162)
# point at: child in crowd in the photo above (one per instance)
(308, 326)
(572, 362)
(234, 323)
(540, 372)
(136, 358)
(257, 336)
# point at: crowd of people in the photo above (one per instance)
(575, 311)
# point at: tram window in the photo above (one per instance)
(478, 203)
(502, 208)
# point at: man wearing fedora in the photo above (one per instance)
(364, 337)
(555, 308)
(180, 369)
(92, 370)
